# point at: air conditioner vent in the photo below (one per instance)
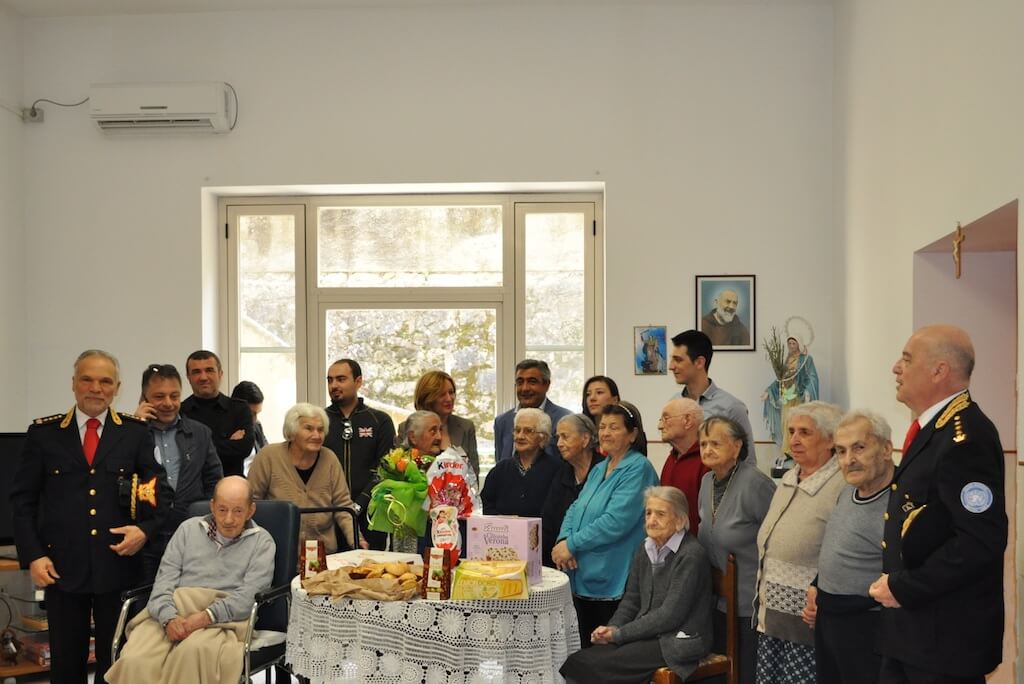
(185, 107)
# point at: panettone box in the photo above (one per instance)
(501, 537)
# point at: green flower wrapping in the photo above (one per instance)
(396, 502)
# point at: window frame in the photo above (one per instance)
(312, 301)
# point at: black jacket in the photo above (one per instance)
(945, 533)
(372, 435)
(64, 508)
(224, 416)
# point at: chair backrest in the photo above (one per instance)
(281, 520)
(726, 585)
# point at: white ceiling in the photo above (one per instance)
(60, 8)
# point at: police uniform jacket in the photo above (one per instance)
(64, 508)
(945, 533)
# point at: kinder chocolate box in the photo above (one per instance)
(506, 538)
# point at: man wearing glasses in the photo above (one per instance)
(359, 435)
(679, 424)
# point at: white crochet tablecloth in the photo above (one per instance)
(439, 642)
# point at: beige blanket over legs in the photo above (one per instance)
(207, 656)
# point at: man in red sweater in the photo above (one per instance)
(679, 423)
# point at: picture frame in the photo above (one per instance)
(650, 350)
(733, 327)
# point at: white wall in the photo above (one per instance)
(13, 299)
(983, 301)
(930, 105)
(709, 122)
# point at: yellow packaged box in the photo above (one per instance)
(473, 579)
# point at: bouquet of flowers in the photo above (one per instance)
(396, 501)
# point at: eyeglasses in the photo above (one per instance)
(346, 430)
(525, 431)
(665, 419)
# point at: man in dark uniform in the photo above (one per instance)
(87, 494)
(945, 527)
(229, 419)
(359, 435)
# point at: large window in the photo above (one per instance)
(406, 284)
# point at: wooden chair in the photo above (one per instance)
(723, 584)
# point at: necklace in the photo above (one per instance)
(716, 497)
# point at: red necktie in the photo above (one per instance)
(92, 439)
(915, 427)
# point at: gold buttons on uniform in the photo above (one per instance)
(92, 492)
(883, 543)
(92, 471)
(886, 516)
(93, 533)
(894, 486)
(92, 511)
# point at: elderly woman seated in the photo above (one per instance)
(423, 431)
(664, 618)
(302, 470)
(519, 485)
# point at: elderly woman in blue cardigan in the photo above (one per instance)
(664, 618)
(605, 525)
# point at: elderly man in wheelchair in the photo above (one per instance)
(195, 625)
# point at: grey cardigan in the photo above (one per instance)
(684, 606)
(734, 528)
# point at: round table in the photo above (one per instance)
(439, 642)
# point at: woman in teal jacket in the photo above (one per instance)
(605, 525)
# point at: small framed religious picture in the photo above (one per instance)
(649, 350)
(726, 311)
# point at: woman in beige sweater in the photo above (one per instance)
(788, 544)
(303, 471)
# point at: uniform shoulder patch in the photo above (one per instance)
(48, 419)
(959, 403)
(976, 497)
(132, 417)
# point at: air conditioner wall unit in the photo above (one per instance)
(160, 107)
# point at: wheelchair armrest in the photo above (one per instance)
(137, 592)
(273, 594)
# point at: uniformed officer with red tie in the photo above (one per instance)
(86, 495)
(945, 527)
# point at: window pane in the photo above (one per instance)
(555, 300)
(566, 376)
(554, 279)
(266, 281)
(274, 372)
(396, 346)
(455, 246)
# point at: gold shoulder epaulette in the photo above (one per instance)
(129, 416)
(48, 419)
(958, 404)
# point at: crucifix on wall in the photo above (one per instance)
(958, 240)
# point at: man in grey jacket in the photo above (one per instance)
(184, 447)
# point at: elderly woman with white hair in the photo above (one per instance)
(519, 485)
(664, 617)
(789, 542)
(302, 470)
